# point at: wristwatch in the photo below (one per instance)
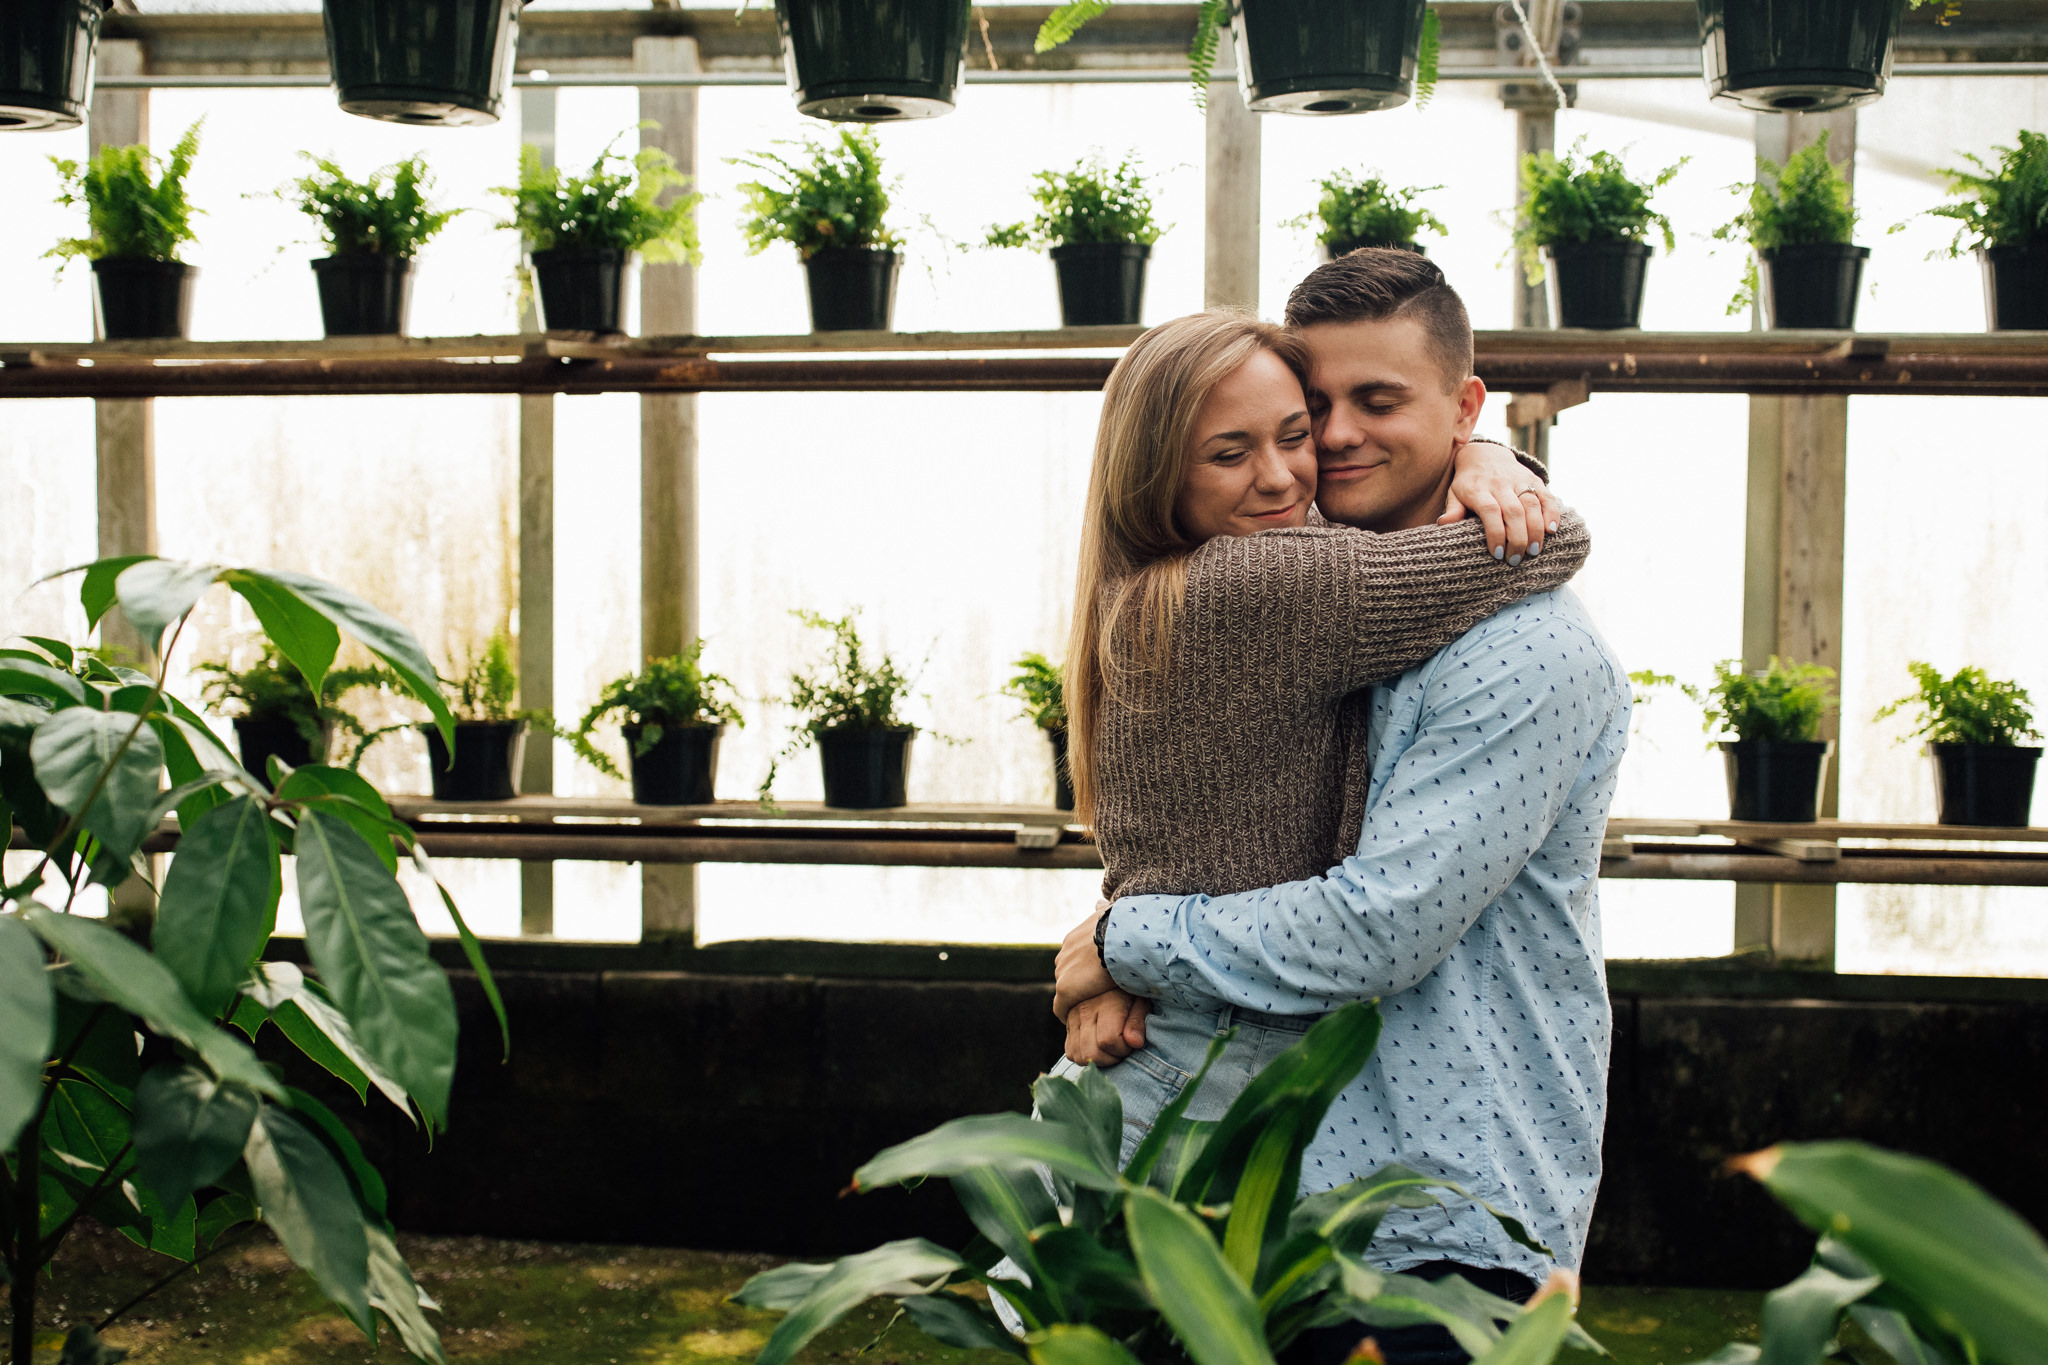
(1101, 931)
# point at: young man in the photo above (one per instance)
(1470, 909)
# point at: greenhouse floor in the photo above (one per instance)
(529, 1303)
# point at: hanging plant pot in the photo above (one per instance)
(1326, 56)
(1812, 284)
(486, 767)
(2016, 287)
(261, 737)
(873, 61)
(364, 295)
(1776, 781)
(1787, 56)
(134, 300)
(1101, 283)
(46, 54)
(1345, 246)
(1598, 284)
(1984, 784)
(443, 62)
(679, 769)
(1062, 779)
(583, 291)
(865, 769)
(852, 288)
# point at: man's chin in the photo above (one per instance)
(1350, 505)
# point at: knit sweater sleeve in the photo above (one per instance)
(1327, 610)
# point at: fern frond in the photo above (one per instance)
(1426, 57)
(1202, 51)
(1064, 22)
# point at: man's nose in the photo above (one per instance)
(1338, 429)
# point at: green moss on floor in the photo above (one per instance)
(528, 1303)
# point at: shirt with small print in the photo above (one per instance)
(1471, 911)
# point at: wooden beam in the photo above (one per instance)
(1230, 243)
(537, 561)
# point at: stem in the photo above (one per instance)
(27, 1215)
(218, 1248)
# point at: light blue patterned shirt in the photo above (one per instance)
(1471, 910)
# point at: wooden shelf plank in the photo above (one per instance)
(597, 809)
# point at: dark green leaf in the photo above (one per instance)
(368, 1184)
(346, 796)
(305, 1014)
(782, 1288)
(1091, 1105)
(1071, 1344)
(1349, 1216)
(1799, 1319)
(155, 592)
(1895, 1336)
(395, 1294)
(86, 1126)
(74, 746)
(1535, 1337)
(306, 1200)
(60, 650)
(189, 1129)
(1085, 1268)
(227, 1211)
(1009, 1142)
(28, 1021)
(18, 786)
(955, 1321)
(1385, 1300)
(904, 1267)
(471, 949)
(1209, 1308)
(303, 635)
(218, 902)
(1007, 1206)
(382, 634)
(370, 953)
(96, 593)
(26, 677)
(1263, 1194)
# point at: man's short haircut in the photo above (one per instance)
(1375, 283)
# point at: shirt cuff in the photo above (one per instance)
(1137, 946)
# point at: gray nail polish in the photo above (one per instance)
(1553, 528)
(1499, 550)
(1535, 550)
(1514, 561)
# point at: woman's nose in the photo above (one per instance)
(1270, 473)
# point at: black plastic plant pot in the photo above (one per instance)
(1346, 245)
(1062, 779)
(679, 769)
(364, 295)
(438, 62)
(1798, 56)
(135, 300)
(46, 50)
(1812, 284)
(852, 288)
(1776, 781)
(1326, 56)
(873, 61)
(1102, 284)
(865, 769)
(487, 755)
(1598, 284)
(583, 291)
(2016, 287)
(259, 739)
(1984, 784)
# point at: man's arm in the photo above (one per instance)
(1510, 717)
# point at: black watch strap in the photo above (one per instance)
(1101, 932)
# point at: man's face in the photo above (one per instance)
(1385, 426)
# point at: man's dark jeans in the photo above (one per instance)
(1426, 1344)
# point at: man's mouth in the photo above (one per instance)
(1345, 473)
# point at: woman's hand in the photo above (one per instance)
(1106, 1029)
(1514, 506)
(1078, 972)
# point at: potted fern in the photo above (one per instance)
(1777, 763)
(867, 62)
(1039, 684)
(675, 714)
(830, 205)
(582, 231)
(433, 62)
(1355, 212)
(849, 710)
(1096, 223)
(490, 736)
(2003, 210)
(1798, 219)
(137, 218)
(1974, 725)
(1798, 56)
(46, 56)
(372, 229)
(277, 715)
(1590, 217)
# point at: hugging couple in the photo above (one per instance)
(1343, 735)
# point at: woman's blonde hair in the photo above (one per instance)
(1133, 567)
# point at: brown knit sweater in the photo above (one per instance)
(1229, 772)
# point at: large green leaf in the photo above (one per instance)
(1091, 1105)
(1072, 1344)
(362, 1176)
(191, 753)
(96, 592)
(129, 978)
(1799, 1319)
(28, 1021)
(1272, 1174)
(303, 635)
(395, 1294)
(305, 1014)
(23, 676)
(1085, 1268)
(1536, 1336)
(1007, 1206)
(1004, 1142)
(782, 1288)
(352, 800)
(1209, 1308)
(1349, 1215)
(1385, 1300)
(306, 1200)
(472, 950)
(189, 1129)
(73, 747)
(1895, 1335)
(363, 938)
(1969, 1263)
(955, 1321)
(218, 902)
(905, 1267)
(383, 635)
(155, 592)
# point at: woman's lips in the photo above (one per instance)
(1277, 514)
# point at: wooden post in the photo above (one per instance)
(537, 563)
(668, 460)
(1792, 573)
(1230, 252)
(1535, 131)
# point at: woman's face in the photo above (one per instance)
(1253, 463)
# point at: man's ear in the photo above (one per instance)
(1471, 400)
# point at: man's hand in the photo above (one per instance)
(1106, 1028)
(1078, 972)
(1514, 506)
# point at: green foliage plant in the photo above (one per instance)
(1970, 708)
(669, 693)
(487, 687)
(384, 215)
(848, 693)
(1368, 209)
(129, 1089)
(1803, 202)
(834, 195)
(1041, 686)
(1094, 202)
(1783, 703)
(615, 206)
(1580, 198)
(1198, 1250)
(135, 208)
(273, 689)
(2001, 205)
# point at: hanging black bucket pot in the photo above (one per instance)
(583, 291)
(1812, 284)
(1598, 284)
(1984, 784)
(1776, 781)
(865, 769)
(1326, 56)
(1102, 284)
(873, 61)
(364, 295)
(679, 769)
(137, 300)
(487, 755)
(46, 62)
(852, 288)
(1798, 56)
(2016, 287)
(437, 62)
